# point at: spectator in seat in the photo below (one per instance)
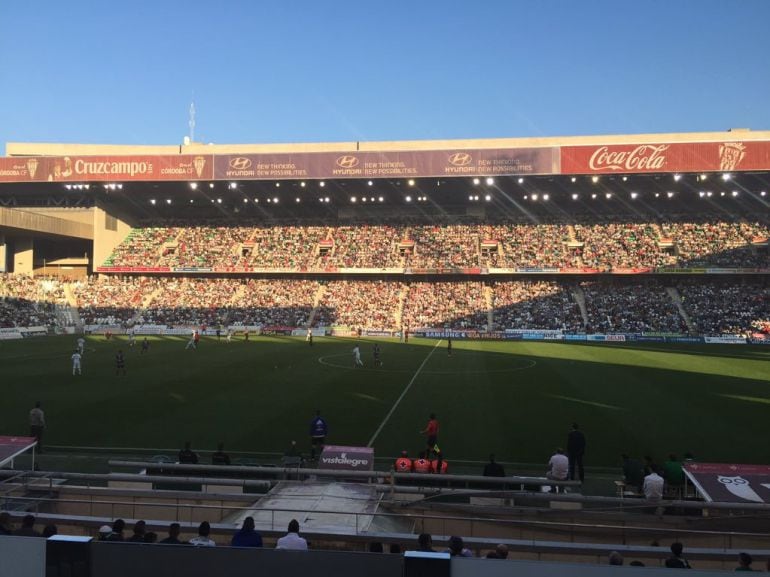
(247, 536)
(139, 532)
(633, 473)
(653, 486)
(457, 548)
(50, 530)
(744, 562)
(27, 528)
(558, 466)
(187, 455)
(493, 468)
(220, 457)
(676, 561)
(403, 463)
(173, 535)
(292, 540)
(425, 543)
(615, 558)
(203, 539)
(500, 552)
(117, 531)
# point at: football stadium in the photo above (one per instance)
(570, 334)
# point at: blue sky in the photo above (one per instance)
(310, 71)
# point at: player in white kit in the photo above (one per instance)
(76, 363)
(357, 357)
(81, 345)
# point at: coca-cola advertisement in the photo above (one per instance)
(662, 157)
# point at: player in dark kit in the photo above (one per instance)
(377, 361)
(120, 363)
(318, 431)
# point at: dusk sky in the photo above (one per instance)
(318, 71)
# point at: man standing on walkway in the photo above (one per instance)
(36, 425)
(318, 431)
(431, 433)
(576, 448)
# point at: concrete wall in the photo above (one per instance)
(106, 240)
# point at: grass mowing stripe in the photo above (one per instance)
(403, 394)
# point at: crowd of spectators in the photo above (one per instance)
(726, 307)
(631, 308)
(452, 305)
(273, 302)
(365, 304)
(529, 304)
(26, 301)
(113, 300)
(599, 242)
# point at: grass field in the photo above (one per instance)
(516, 399)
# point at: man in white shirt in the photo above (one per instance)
(653, 487)
(203, 539)
(76, 363)
(558, 466)
(81, 345)
(292, 540)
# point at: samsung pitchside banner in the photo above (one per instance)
(106, 168)
(676, 157)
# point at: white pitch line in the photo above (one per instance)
(403, 394)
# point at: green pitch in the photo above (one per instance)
(516, 399)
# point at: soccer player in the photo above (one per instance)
(120, 363)
(377, 361)
(357, 357)
(229, 335)
(131, 337)
(449, 346)
(309, 337)
(191, 342)
(76, 363)
(81, 345)
(197, 338)
(145, 345)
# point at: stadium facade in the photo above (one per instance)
(65, 207)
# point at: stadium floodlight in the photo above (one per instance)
(297, 200)
(521, 180)
(526, 197)
(625, 178)
(608, 195)
(256, 200)
(722, 193)
(152, 201)
(245, 200)
(410, 182)
(278, 185)
(275, 200)
(763, 193)
(726, 176)
(192, 201)
(211, 185)
(703, 176)
(709, 194)
(670, 194)
(381, 199)
(657, 194)
(634, 195)
(168, 201)
(490, 181)
(677, 177)
(322, 184)
(87, 186)
(701, 194)
(593, 196)
(370, 183)
(326, 199)
(488, 197)
(233, 185)
(194, 185)
(573, 179)
(534, 197)
(120, 187)
(470, 197)
(575, 196)
(269, 200)
(219, 201)
(735, 193)
(69, 186)
(352, 199)
(302, 184)
(546, 197)
(408, 199)
(594, 179)
(476, 181)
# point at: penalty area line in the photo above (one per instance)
(403, 394)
